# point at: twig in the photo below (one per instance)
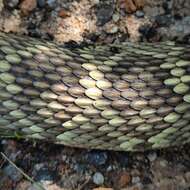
(1, 163)
(25, 175)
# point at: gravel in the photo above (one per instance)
(44, 175)
(11, 4)
(13, 173)
(139, 14)
(152, 156)
(41, 3)
(98, 178)
(51, 3)
(96, 158)
(104, 12)
(61, 168)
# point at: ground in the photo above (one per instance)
(75, 22)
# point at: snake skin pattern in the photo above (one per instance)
(128, 97)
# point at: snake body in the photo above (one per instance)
(128, 97)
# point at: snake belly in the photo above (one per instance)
(125, 97)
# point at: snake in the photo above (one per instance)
(123, 97)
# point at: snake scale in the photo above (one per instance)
(123, 97)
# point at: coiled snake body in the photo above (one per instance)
(123, 97)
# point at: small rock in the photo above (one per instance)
(98, 178)
(80, 168)
(135, 179)
(41, 3)
(146, 180)
(51, 4)
(124, 179)
(186, 20)
(28, 6)
(63, 13)
(129, 6)
(44, 175)
(11, 4)
(13, 173)
(104, 13)
(37, 167)
(152, 11)
(111, 168)
(148, 32)
(152, 156)
(139, 14)
(163, 20)
(1, 5)
(166, 7)
(115, 17)
(96, 158)
(111, 29)
(95, 2)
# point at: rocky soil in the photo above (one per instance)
(73, 22)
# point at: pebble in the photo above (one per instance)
(152, 156)
(13, 173)
(139, 14)
(51, 3)
(124, 179)
(111, 168)
(96, 158)
(41, 3)
(115, 17)
(147, 31)
(44, 175)
(11, 4)
(135, 179)
(1, 5)
(146, 180)
(96, 2)
(112, 29)
(98, 178)
(80, 168)
(37, 167)
(131, 5)
(163, 20)
(28, 6)
(186, 20)
(63, 13)
(104, 13)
